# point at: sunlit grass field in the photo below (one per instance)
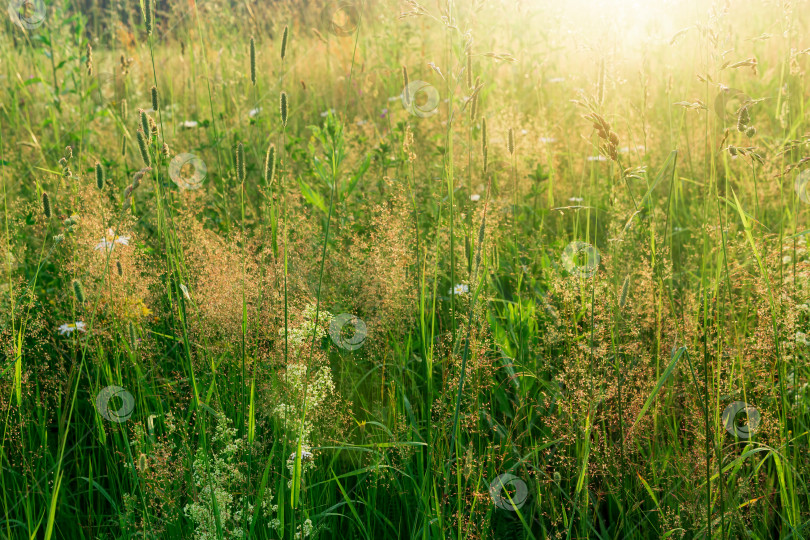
(375, 269)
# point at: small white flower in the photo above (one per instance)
(475, 197)
(324, 114)
(597, 158)
(461, 288)
(547, 140)
(109, 241)
(576, 199)
(190, 124)
(69, 328)
(254, 112)
(361, 122)
(786, 259)
(305, 455)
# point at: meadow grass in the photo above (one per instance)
(459, 270)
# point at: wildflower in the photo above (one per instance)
(383, 113)
(461, 288)
(109, 241)
(305, 455)
(69, 328)
(547, 140)
(801, 337)
(324, 114)
(576, 199)
(251, 113)
(475, 197)
(597, 158)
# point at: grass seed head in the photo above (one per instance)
(146, 11)
(510, 141)
(144, 123)
(46, 204)
(239, 158)
(270, 165)
(283, 108)
(253, 61)
(743, 119)
(143, 147)
(284, 37)
(155, 100)
(89, 62)
(99, 175)
(78, 291)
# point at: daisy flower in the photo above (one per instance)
(461, 288)
(109, 241)
(68, 328)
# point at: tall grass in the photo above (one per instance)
(625, 185)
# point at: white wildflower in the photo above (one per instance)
(461, 288)
(109, 241)
(69, 328)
